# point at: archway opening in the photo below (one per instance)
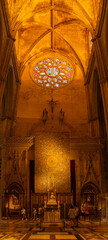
(89, 199)
(14, 200)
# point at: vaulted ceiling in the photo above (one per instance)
(62, 26)
(53, 29)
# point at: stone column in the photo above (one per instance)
(102, 77)
(5, 65)
(2, 183)
(107, 164)
(27, 194)
(13, 122)
(107, 209)
(0, 200)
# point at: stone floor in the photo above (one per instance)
(29, 230)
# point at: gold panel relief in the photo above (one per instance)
(52, 163)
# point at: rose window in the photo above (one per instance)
(52, 73)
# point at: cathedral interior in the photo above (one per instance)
(53, 115)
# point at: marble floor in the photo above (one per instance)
(30, 230)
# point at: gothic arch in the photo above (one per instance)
(90, 187)
(89, 193)
(15, 186)
(14, 199)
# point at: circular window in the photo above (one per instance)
(52, 73)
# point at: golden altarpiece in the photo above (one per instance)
(51, 175)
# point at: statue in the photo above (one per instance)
(61, 116)
(52, 103)
(52, 197)
(52, 206)
(44, 115)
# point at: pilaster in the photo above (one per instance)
(13, 121)
(3, 156)
(27, 193)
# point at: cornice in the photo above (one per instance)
(86, 146)
(88, 143)
(17, 142)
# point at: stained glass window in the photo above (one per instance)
(52, 73)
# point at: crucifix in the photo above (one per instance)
(52, 104)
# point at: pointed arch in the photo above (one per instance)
(15, 187)
(90, 187)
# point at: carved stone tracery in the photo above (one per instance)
(15, 160)
(14, 173)
(89, 168)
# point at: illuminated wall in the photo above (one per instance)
(52, 162)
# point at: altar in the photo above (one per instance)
(51, 207)
(52, 215)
